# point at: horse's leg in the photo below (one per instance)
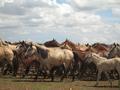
(26, 71)
(107, 75)
(118, 70)
(65, 72)
(7, 68)
(37, 64)
(52, 74)
(82, 70)
(15, 67)
(73, 72)
(98, 77)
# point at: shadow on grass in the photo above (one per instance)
(32, 80)
(104, 86)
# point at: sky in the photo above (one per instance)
(83, 21)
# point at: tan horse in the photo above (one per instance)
(104, 65)
(6, 54)
(52, 58)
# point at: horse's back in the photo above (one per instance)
(59, 53)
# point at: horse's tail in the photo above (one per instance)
(77, 58)
(77, 62)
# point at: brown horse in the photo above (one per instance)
(102, 49)
(52, 43)
(69, 44)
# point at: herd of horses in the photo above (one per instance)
(66, 59)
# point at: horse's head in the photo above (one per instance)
(31, 49)
(21, 47)
(88, 57)
(114, 51)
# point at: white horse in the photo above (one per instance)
(104, 65)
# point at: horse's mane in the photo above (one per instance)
(98, 56)
(100, 46)
(70, 43)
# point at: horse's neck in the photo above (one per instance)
(97, 59)
(13, 47)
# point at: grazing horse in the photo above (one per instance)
(55, 58)
(104, 65)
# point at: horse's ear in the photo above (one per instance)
(53, 39)
(117, 44)
(22, 42)
(114, 44)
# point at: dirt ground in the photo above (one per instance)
(9, 83)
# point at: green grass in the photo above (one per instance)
(9, 83)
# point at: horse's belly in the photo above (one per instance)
(108, 67)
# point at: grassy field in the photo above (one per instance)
(7, 83)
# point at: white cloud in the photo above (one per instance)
(76, 19)
(116, 12)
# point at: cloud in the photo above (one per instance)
(79, 20)
(12, 9)
(116, 12)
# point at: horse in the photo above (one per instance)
(6, 56)
(69, 44)
(19, 56)
(55, 58)
(52, 43)
(104, 65)
(114, 51)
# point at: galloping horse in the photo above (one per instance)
(104, 65)
(54, 58)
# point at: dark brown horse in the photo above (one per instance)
(52, 43)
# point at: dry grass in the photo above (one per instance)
(8, 83)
